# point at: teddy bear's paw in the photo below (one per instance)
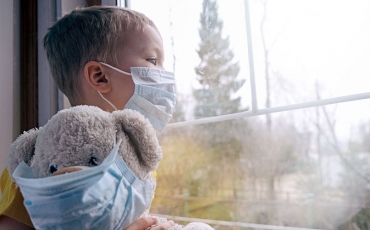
(197, 226)
(176, 227)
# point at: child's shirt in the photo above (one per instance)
(11, 202)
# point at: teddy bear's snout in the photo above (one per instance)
(69, 170)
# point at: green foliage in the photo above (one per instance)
(359, 221)
(217, 76)
(193, 180)
(216, 71)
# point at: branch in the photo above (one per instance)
(335, 146)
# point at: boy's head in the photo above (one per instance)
(77, 43)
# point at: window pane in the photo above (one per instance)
(304, 168)
(310, 46)
(211, 67)
(309, 168)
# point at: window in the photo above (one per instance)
(260, 137)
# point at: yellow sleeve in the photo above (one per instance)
(11, 202)
(154, 177)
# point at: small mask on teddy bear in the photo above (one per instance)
(87, 169)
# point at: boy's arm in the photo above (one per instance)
(7, 223)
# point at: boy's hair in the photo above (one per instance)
(89, 34)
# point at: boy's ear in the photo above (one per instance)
(96, 76)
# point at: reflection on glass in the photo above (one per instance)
(307, 168)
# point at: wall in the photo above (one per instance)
(9, 77)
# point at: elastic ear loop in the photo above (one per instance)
(114, 107)
(118, 70)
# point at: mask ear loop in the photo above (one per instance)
(114, 107)
(116, 69)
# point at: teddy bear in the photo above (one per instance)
(82, 137)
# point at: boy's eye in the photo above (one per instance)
(152, 60)
(53, 168)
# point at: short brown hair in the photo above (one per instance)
(89, 34)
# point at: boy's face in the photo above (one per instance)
(144, 48)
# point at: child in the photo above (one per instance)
(90, 52)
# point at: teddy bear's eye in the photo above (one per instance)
(93, 161)
(53, 168)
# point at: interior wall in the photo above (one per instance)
(9, 77)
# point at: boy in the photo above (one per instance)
(90, 52)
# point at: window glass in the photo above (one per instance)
(305, 168)
(309, 46)
(309, 169)
(300, 47)
(211, 66)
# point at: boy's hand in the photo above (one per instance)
(146, 222)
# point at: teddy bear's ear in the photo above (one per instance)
(133, 126)
(22, 149)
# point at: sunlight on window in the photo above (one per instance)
(306, 168)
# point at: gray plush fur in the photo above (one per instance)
(73, 136)
(143, 140)
(24, 149)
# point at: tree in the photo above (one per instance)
(216, 71)
(217, 75)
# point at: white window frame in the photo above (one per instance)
(255, 111)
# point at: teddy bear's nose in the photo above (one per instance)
(69, 170)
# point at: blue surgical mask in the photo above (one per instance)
(108, 196)
(154, 95)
